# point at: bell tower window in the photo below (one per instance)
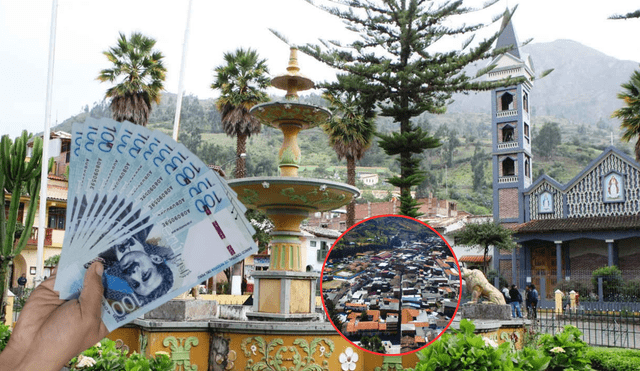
(507, 134)
(508, 167)
(506, 102)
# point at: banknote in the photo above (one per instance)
(157, 217)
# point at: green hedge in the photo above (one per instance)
(614, 359)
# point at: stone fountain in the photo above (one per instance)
(286, 292)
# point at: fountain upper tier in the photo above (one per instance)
(279, 193)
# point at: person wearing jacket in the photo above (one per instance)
(516, 300)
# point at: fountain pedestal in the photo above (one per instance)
(285, 292)
(284, 296)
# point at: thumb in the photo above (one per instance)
(91, 295)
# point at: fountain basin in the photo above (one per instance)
(276, 114)
(292, 193)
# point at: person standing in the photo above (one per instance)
(534, 300)
(527, 300)
(505, 292)
(516, 300)
(22, 282)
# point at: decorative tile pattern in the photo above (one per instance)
(270, 356)
(180, 351)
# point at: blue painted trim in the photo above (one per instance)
(509, 220)
(569, 236)
(552, 182)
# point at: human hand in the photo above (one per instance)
(51, 331)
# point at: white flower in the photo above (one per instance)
(85, 362)
(557, 350)
(253, 349)
(98, 345)
(322, 350)
(348, 359)
(489, 343)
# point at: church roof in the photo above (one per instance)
(508, 36)
(593, 224)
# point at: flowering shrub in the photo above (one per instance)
(107, 355)
(567, 350)
(465, 350)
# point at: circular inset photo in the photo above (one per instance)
(391, 285)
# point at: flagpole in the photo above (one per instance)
(45, 147)
(176, 120)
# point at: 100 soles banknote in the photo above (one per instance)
(153, 213)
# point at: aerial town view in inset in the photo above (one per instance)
(391, 285)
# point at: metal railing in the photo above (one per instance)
(33, 238)
(602, 327)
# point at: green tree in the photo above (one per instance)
(373, 344)
(242, 81)
(405, 75)
(141, 75)
(364, 316)
(17, 175)
(630, 113)
(478, 163)
(452, 143)
(192, 123)
(351, 128)
(630, 15)
(484, 235)
(548, 139)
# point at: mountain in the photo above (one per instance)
(582, 88)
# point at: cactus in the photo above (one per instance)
(17, 176)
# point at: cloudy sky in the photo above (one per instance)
(86, 28)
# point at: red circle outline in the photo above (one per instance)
(459, 289)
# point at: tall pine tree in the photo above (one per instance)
(394, 53)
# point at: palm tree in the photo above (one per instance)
(630, 114)
(242, 82)
(351, 129)
(140, 73)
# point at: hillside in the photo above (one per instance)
(582, 88)
(579, 96)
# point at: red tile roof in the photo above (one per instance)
(367, 326)
(473, 258)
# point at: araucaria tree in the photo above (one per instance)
(17, 176)
(485, 235)
(242, 82)
(139, 76)
(630, 113)
(351, 128)
(395, 55)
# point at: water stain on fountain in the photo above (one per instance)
(285, 292)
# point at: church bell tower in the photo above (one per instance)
(510, 129)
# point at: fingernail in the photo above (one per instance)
(99, 269)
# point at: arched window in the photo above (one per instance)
(527, 169)
(507, 134)
(508, 167)
(506, 102)
(525, 102)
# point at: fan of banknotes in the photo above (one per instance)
(153, 213)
